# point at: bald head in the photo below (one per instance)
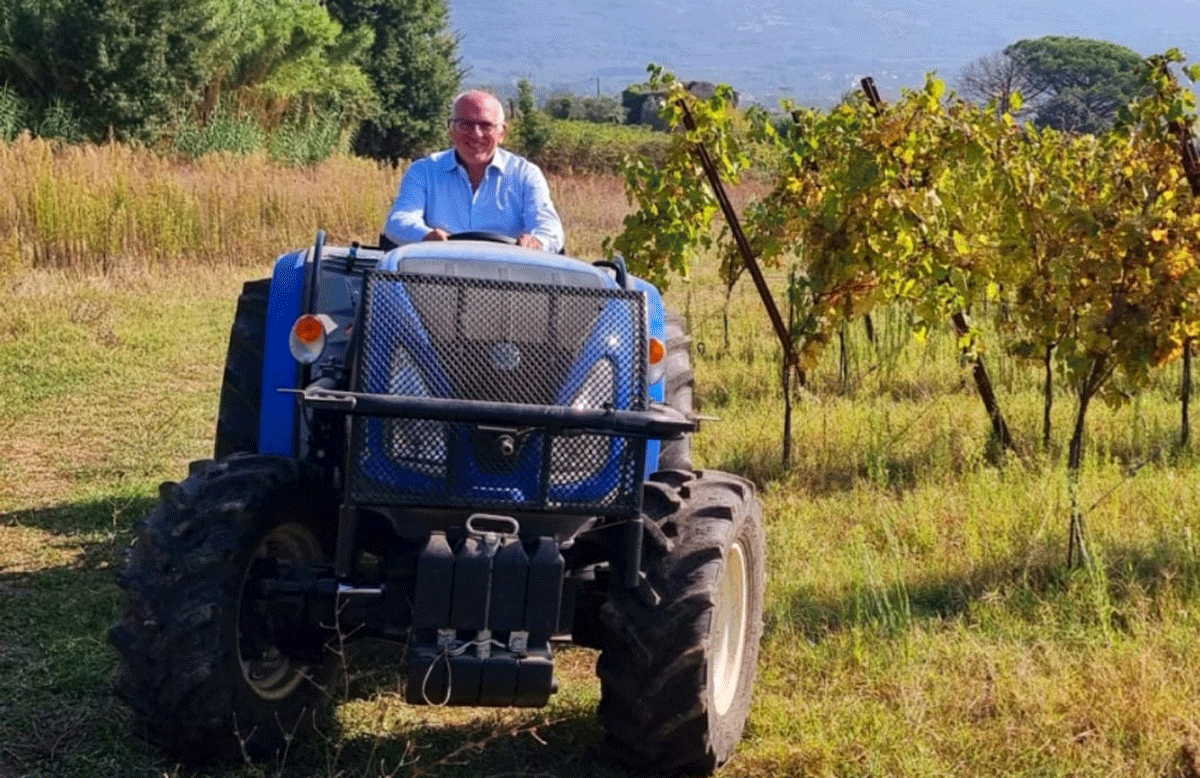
(475, 101)
(476, 129)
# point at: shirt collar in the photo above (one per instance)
(500, 160)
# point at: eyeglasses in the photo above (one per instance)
(466, 125)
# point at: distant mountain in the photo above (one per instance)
(810, 51)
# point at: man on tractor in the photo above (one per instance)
(476, 186)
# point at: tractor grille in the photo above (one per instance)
(507, 342)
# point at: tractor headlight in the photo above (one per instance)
(576, 459)
(308, 337)
(417, 444)
(404, 377)
(597, 389)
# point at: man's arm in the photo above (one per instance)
(406, 222)
(540, 217)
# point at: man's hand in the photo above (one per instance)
(436, 234)
(529, 241)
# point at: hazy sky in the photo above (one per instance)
(811, 50)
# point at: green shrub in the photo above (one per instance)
(588, 147)
(530, 127)
(602, 110)
(307, 142)
(224, 131)
(59, 122)
(12, 114)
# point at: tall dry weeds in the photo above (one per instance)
(97, 209)
(100, 209)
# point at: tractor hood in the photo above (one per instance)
(494, 262)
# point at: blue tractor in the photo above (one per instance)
(474, 450)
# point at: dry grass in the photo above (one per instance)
(117, 208)
(591, 208)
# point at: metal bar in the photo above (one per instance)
(660, 421)
(739, 236)
(347, 534)
(634, 530)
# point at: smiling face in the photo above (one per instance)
(477, 128)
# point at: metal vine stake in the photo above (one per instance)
(790, 360)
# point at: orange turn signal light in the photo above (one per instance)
(657, 351)
(308, 329)
(307, 339)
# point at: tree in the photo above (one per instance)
(122, 66)
(129, 68)
(1074, 84)
(994, 78)
(599, 110)
(1079, 83)
(414, 67)
(531, 127)
(288, 62)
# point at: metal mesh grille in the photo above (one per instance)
(496, 341)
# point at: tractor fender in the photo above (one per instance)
(277, 419)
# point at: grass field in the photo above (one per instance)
(920, 617)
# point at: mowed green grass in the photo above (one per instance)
(921, 620)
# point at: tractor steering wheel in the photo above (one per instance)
(494, 237)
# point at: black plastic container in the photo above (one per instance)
(510, 575)
(472, 574)
(434, 585)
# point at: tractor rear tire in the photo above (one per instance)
(679, 390)
(197, 663)
(676, 678)
(241, 386)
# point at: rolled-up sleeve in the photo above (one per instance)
(406, 223)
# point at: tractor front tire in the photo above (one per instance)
(196, 659)
(676, 677)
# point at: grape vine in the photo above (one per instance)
(1084, 246)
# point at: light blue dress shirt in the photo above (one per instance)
(513, 198)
